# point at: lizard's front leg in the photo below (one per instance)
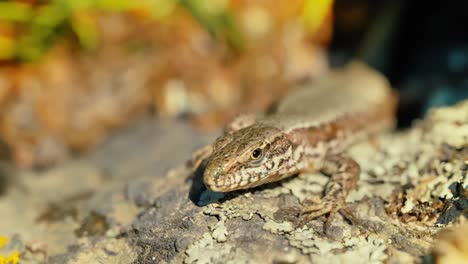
(344, 172)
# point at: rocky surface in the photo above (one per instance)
(133, 200)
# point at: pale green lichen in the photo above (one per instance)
(409, 205)
(448, 125)
(439, 187)
(237, 207)
(278, 228)
(207, 250)
(371, 249)
(405, 157)
(311, 242)
(352, 249)
(219, 231)
(201, 251)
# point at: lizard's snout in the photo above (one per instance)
(212, 177)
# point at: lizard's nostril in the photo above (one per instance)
(218, 173)
(212, 175)
(213, 178)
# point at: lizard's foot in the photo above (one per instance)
(344, 173)
(320, 208)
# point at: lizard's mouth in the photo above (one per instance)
(216, 179)
(216, 186)
(218, 183)
(224, 188)
(228, 185)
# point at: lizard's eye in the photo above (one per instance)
(257, 153)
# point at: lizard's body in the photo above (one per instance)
(309, 130)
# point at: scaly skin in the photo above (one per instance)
(310, 130)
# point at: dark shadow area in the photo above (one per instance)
(198, 193)
(457, 208)
(421, 46)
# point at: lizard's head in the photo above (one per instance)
(246, 158)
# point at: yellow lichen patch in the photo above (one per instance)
(3, 241)
(11, 258)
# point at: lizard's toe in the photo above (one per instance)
(315, 199)
(316, 210)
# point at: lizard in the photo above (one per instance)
(309, 130)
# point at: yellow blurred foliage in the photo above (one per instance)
(314, 13)
(7, 47)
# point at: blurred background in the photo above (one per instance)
(74, 71)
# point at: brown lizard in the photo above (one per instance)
(309, 130)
